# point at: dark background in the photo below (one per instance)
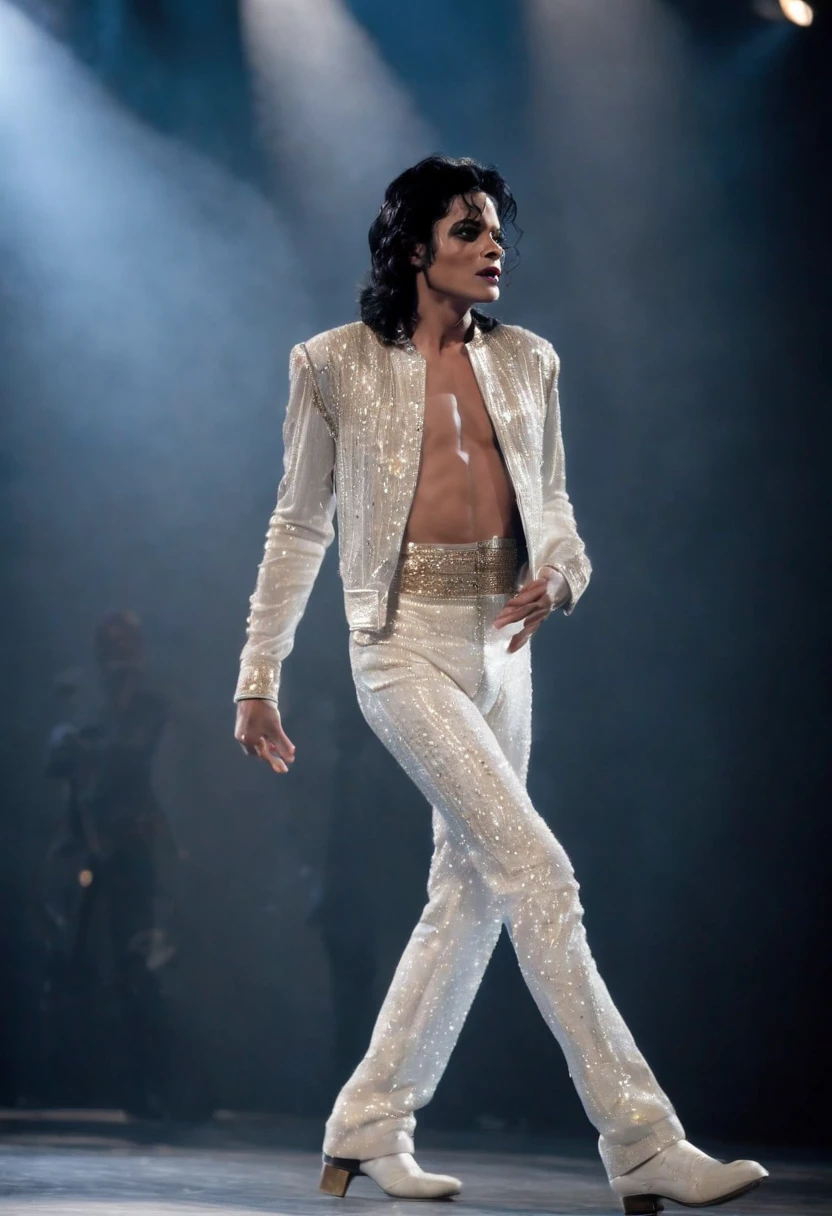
(185, 191)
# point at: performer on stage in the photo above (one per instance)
(439, 428)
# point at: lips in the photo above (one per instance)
(492, 274)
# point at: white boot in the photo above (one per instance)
(686, 1175)
(397, 1174)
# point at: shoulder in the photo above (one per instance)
(516, 340)
(333, 346)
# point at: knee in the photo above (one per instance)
(545, 874)
(551, 872)
(543, 898)
(527, 851)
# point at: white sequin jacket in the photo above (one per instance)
(354, 425)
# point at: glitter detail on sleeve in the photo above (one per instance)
(299, 531)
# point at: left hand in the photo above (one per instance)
(532, 604)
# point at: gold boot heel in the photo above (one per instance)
(642, 1205)
(337, 1174)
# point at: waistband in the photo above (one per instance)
(484, 567)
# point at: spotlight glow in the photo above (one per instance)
(798, 12)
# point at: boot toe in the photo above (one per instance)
(399, 1175)
(431, 1186)
(684, 1174)
(752, 1168)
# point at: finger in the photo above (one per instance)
(283, 739)
(250, 743)
(274, 762)
(523, 636)
(519, 641)
(528, 591)
(280, 745)
(519, 613)
(278, 750)
(513, 606)
(264, 752)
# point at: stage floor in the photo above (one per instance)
(106, 1166)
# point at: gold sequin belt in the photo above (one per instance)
(485, 567)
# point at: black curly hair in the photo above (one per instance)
(412, 204)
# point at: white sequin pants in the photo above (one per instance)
(439, 688)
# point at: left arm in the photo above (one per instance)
(564, 570)
(563, 550)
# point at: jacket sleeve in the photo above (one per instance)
(562, 547)
(299, 532)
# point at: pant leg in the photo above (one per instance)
(438, 975)
(422, 1014)
(549, 979)
(438, 734)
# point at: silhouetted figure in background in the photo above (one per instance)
(102, 871)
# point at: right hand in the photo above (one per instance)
(259, 733)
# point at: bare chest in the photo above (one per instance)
(455, 412)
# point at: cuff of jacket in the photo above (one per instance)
(258, 680)
(576, 570)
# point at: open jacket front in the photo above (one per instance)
(354, 428)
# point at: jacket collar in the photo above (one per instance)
(478, 339)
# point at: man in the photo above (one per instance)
(117, 834)
(441, 429)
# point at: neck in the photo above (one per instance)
(442, 321)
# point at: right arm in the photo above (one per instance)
(299, 532)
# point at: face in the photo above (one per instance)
(467, 251)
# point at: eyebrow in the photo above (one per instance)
(476, 218)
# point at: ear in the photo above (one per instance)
(418, 256)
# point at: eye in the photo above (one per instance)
(469, 231)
